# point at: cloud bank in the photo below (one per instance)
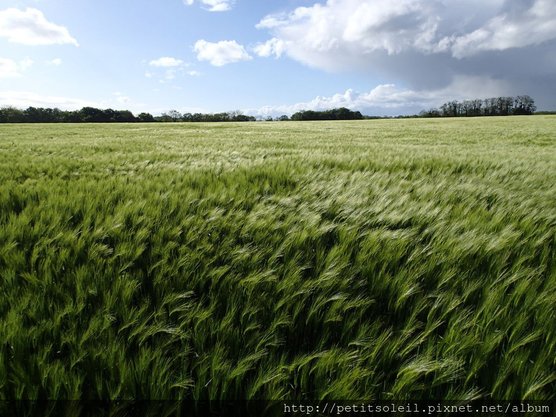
(424, 43)
(390, 99)
(24, 99)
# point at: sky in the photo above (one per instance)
(270, 57)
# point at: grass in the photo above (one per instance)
(390, 259)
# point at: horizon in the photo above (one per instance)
(212, 56)
(425, 113)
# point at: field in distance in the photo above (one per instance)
(377, 259)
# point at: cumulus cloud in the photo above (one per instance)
(55, 62)
(167, 68)
(121, 98)
(273, 47)
(170, 74)
(30, 27)
(166, 62)
(390, 99)
(213, 5)
(12, 69)
(436, 26)
(424, 43)
(220, 53)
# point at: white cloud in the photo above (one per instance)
(30, 27)
(171, 67)
(22, 99)
(272, 21)
(169, 74)
(272, 47)
(220, 53)
(12, 69)
(389, 99)
(510, 30)
(166, 62)
(55, 62)
(316, 34)
(121, 98)
(193, 73)
(213, 5)
(25, 64)
(9, 68)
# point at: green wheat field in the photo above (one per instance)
(377, 259)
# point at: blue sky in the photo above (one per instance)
(272, 57)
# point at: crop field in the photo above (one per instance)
(376, 259)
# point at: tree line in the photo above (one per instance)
(341, 113)
(94, 115)
(495, 106)
(176, 116)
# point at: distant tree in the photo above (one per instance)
(197, 117)
(494, 106)
(524, 105)
(504, 105)
(466, 108)
(73, 117)
(219, 117)
(145, 117)
(11, 114)
(451, 109)
(333, 114)
(174, 115)
(91, 114)
(109, 115)
(430, 113)
(124, 116)
(243, 118)
(36, 115)
(233, 114)
(283, 118)
(476, 107)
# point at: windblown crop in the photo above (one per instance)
(392, 259)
